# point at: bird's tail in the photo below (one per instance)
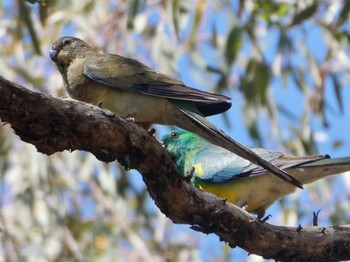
(200, 126)
(317, 169)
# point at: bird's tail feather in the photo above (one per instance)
(200, 126)
(315, 170)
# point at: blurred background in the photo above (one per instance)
(284, 63)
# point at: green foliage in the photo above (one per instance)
(70, 206)
(304, 14)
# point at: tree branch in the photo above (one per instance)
(53, 124)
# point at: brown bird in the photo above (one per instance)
(132, 90)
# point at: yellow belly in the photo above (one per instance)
(256, 193)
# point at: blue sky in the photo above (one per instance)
(293, 100)
(209, 246)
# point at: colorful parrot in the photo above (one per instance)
(134, 91)
(216, 170)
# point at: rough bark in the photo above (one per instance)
(53, 124)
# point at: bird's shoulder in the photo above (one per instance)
(113, 69)
(216, 164)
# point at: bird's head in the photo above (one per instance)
(182, 146)
(65, 49)
(180, 141)
(170, 138)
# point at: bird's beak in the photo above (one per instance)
(53, 53)
(164, 145)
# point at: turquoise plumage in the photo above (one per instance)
(229, 176)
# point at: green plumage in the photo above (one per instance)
(229, 176)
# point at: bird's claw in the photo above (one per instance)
(263, 220)
(244, 206)
(261, 213)
(130, 119)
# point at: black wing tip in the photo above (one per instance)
(210, 109)
(292, 180)
(299, 184)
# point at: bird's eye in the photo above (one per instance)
(174, 135)
(67, 41)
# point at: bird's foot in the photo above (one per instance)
(144, 125)
(130, 119)
(245, 207)
(242, 204)
(105, 111)
(261, 213)
(263, 220)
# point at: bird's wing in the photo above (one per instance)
(282, 161)
(133, 76)
(192, 121)
(217, 165)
